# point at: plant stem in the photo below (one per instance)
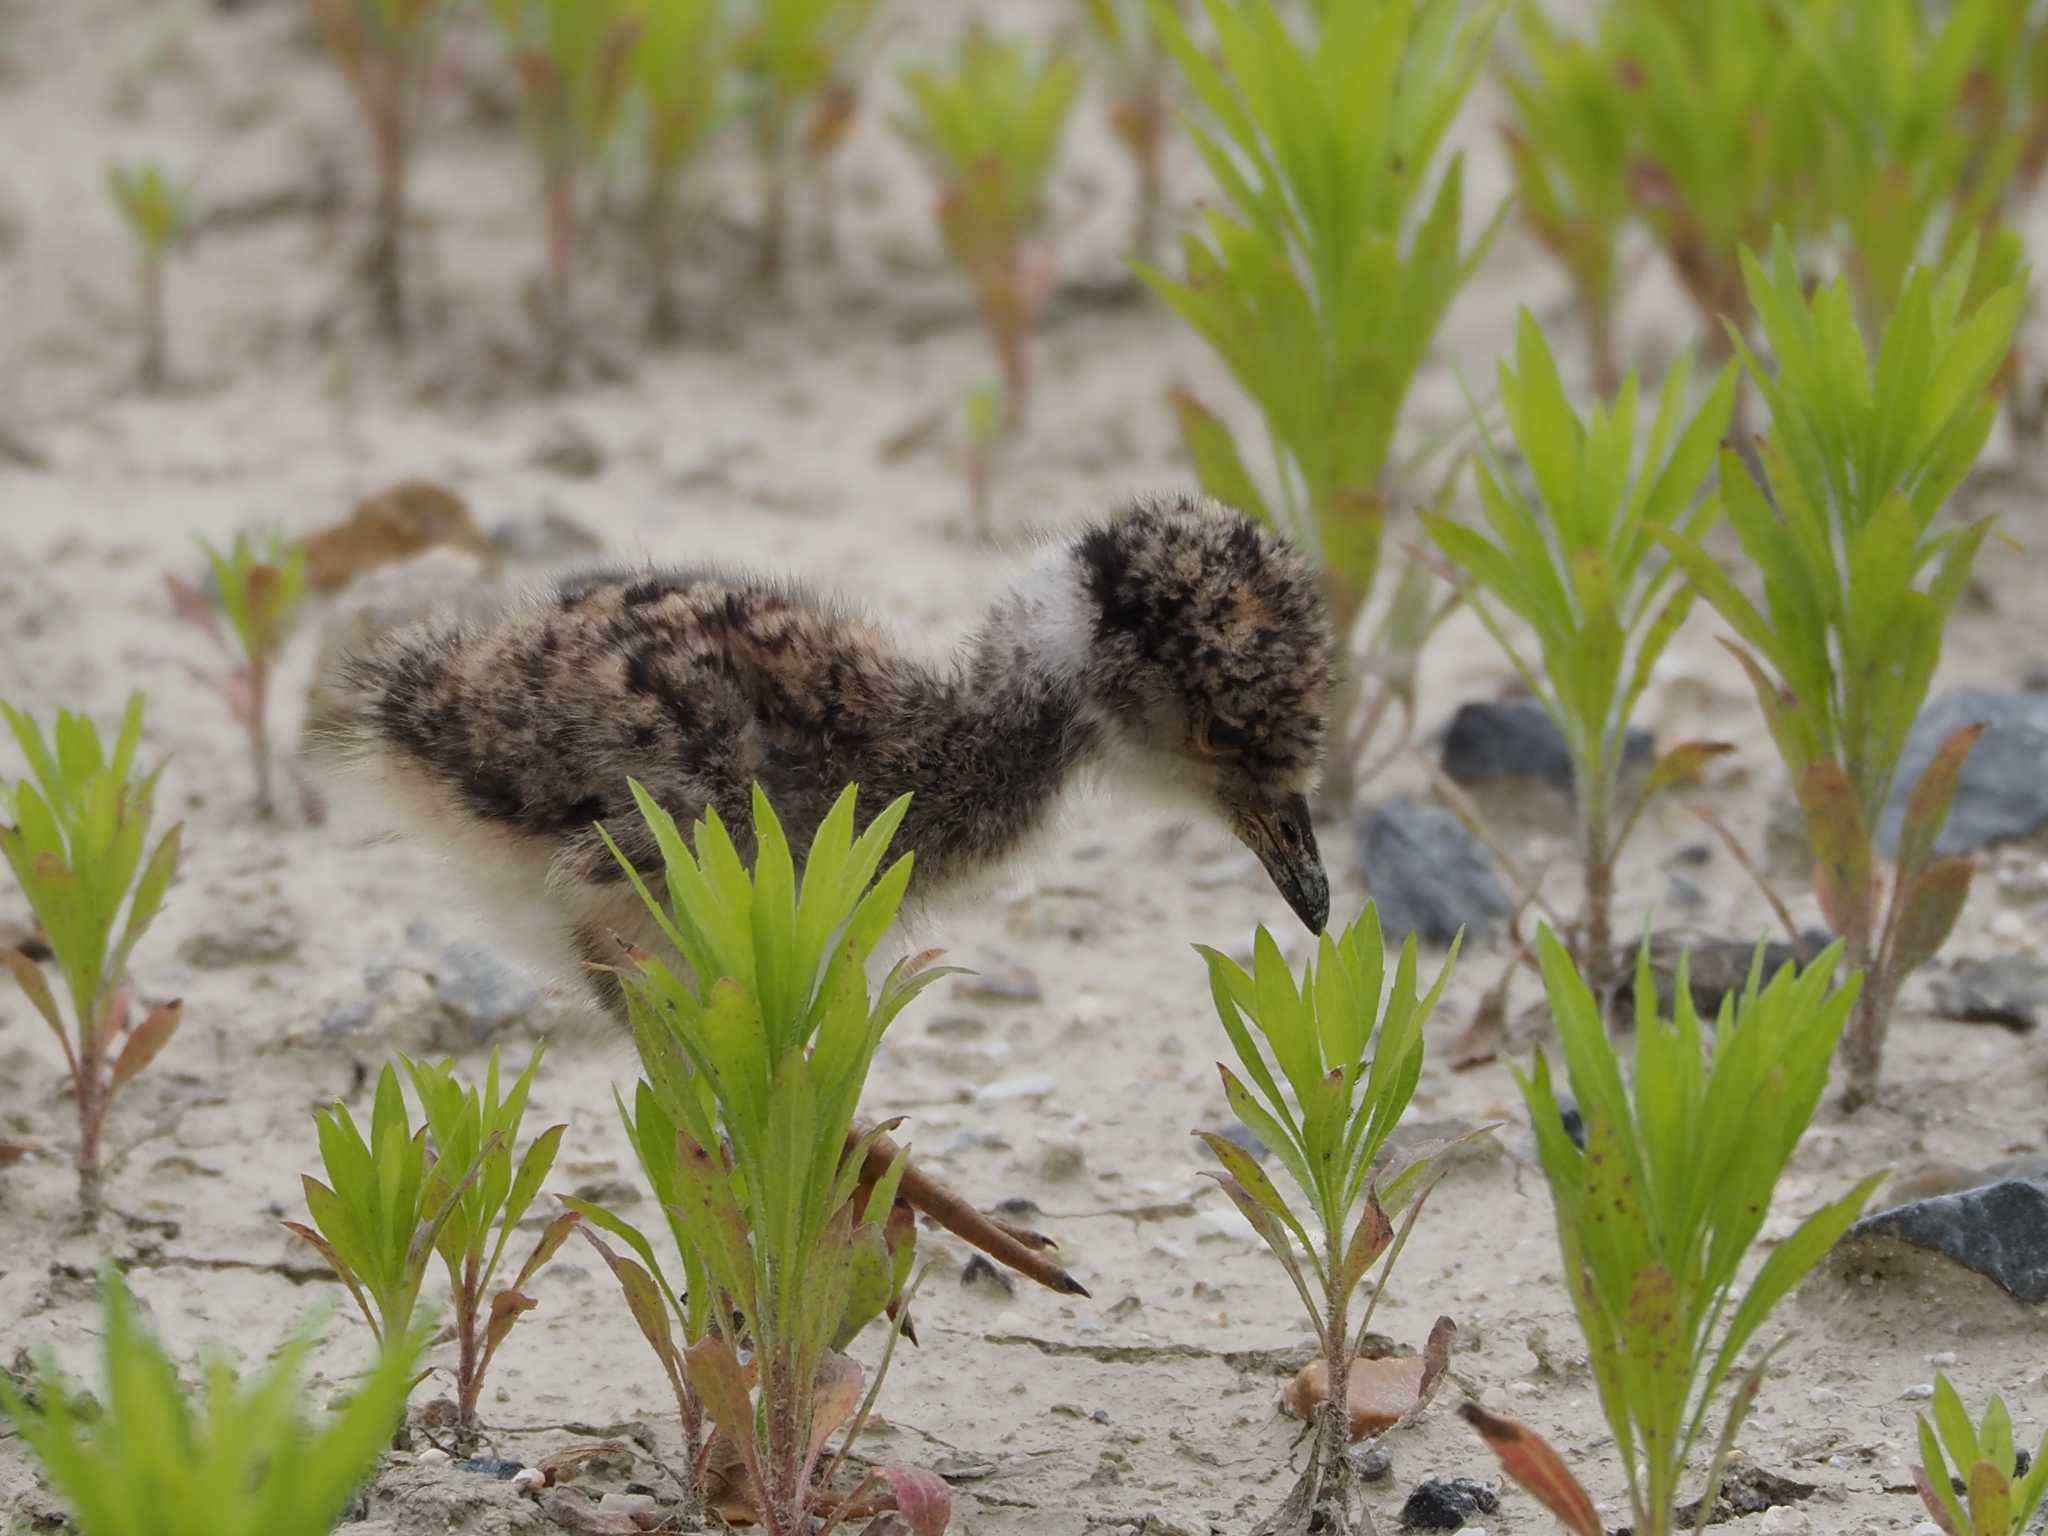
(558, 193)
(665, 310)
(259, 739)
(387, 261)
(1863, 1044)
(155, 366)
(774, 205)
(469, 1377)
(1595, 927)
(92, 1113)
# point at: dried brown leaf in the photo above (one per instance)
(150, 1037)
(1841, 847)
(1927, 807)
(1528, 1458)
(1930, 907)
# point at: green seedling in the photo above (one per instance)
(157, 212)
(381, 1215)
(259, 587)
(479, 1130)
(1322, 277)
(1657, 1212)
(1572, 556)
(1904, 167)
(1568, 145)
(991, 126)
(1141, 97)
(574, 59)
(1726, 139)
(75, 833)
(1858, 584)
(229, 1460)
(1349, 1051)
(673, 1314)
(2006, 92)
(794, 59)
(680, 64)
(1981, 1498)
(385, 50)
(756, 1047)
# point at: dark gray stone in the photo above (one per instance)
(1445, 1503)
(2001, 794)
(2005, 989)
(1427, 874)
(1489, 742)
(1999, 1230)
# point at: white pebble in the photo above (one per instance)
(529, 1479)
(1918, 1393)
(1941, 1359)
(1495, 1399)
(630, 1503)
(431, 1457)
(1784, 1520)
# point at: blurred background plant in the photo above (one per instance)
(157, 212)
(1568, 147)
(76, 837)
(574, 64)
(990, 128)
(386, 50)
(235, 1458)
(257, 587)
(682, 60)
(794, 65)
(1314, 280)
(1140, 81)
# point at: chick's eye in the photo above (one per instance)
(1221, 736)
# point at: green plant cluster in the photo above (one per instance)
(1879, 134)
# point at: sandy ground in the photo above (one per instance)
(1153, 1405)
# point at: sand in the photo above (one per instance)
(759, 440)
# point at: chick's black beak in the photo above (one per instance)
(1286, 844)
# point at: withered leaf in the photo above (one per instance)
(1528, 1458)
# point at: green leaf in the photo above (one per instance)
(1217, 463)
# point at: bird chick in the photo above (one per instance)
(1177, 647)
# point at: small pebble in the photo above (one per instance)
(529, 1479)
(1941, 1359)
(977, 1274)
(1371, 1463)
(630, 1504)
(1447, 1503)
(1918, 1393)
(432, 1457)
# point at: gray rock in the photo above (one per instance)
(1488, 742)
(480, 991)
(1999, 1230)
(545, 538)
(264, 941)
(2005, 989)
(1427, 874)
(2001, 793)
